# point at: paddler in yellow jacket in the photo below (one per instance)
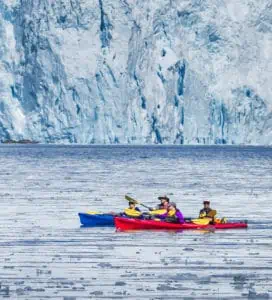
(132, 211)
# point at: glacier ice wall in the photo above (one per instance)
(135, 71)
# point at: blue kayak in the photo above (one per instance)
(96, 219)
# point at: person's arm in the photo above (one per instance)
(163, 216)
(158, 207)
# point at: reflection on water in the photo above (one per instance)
(45, 252)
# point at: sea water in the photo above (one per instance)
(44, 253)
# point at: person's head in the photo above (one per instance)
(131, 205)
(172, 206)
(206, 203)
(164, 201)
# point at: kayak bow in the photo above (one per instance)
(93, 220)
(136, 224)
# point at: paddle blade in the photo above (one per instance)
(128, 198)
(212, 214)
(158, 212)
(201, 221)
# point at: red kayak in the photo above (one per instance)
(137, 224)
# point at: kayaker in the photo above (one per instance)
(163, 205)
(132, 211)
(132, 205)
(205, 210)
(173, 215)
(208, 213)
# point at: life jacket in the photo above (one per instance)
(204, 211)
(132, 212)
(171, 213)
(208, 212)
(171, 216)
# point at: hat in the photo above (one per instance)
(173, 204)
(206, 202)
(164, 197)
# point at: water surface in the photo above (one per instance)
(46, 254)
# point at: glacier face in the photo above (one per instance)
(135, 71)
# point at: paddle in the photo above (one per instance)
(206, 220)
(128, 198)
(201, 221)
(212, 214)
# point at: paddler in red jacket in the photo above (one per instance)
(173, 215)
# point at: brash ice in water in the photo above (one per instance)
(46, 254)
(136, 72)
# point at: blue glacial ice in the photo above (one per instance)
(136, 72)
